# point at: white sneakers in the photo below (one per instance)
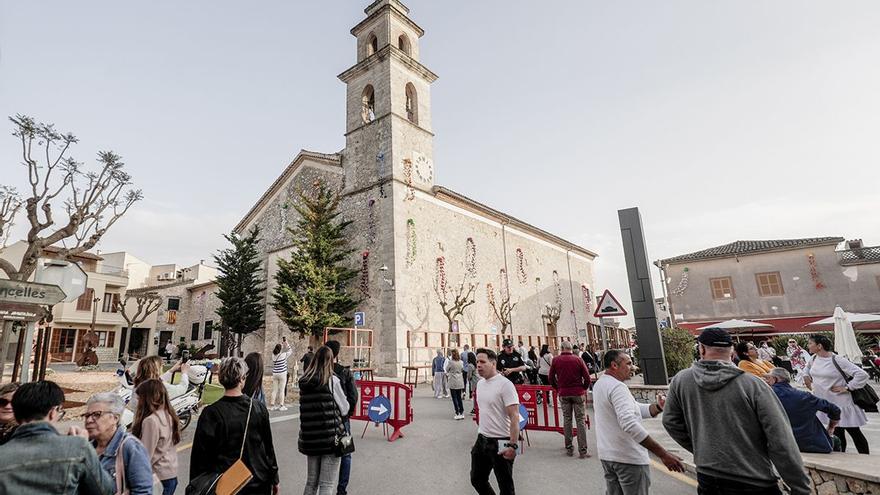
(272, 408)
(277, 408)
(458, 416)
(282, 408)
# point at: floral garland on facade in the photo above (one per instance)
(490, 298)
(440, 276)
(520, 265)
(682, 284)
(371, 222)
(410, 242)
(470, 257)
(505, 289)
(588, 301)
(814, 272)
(380, 167)
(558, 288)
(365, 274)
(408, 178)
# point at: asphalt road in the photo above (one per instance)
(434, 458)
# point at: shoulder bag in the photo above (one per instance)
(120, 468)
(343, 444)
(865, 397)
(230, 481)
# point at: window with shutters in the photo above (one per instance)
(110, 303)
(722, 288)
(769, 284)
(195, 331)
(84, 302)
(209, 329)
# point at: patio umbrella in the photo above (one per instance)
(734, 325)
(845, 337)
(857, 320)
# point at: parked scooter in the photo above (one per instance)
(186, 405)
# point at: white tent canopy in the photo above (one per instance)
(737, 325)
(854, 319)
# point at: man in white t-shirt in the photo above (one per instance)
(622, 441)
(498, 431)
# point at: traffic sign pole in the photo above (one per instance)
(24, 376)
(602, 334)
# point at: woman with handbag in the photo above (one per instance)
(158, 428)
(834, 379)
(233, 441)
(322, 437)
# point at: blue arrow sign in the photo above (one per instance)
(360, 319)
(523, 417)
(379, 409)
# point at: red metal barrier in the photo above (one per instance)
(543, 416)
(401, 404)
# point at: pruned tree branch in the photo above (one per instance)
(503, 310)
(462, 297)
(10, 203)
(146, 303)
(93, 200)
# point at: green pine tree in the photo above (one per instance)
(240, 289)
(312, 287)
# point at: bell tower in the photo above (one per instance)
(388, 102)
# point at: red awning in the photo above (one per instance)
(780, 325)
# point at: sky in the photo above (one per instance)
(726, 120)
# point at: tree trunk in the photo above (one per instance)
(240, 351)
(122, 342)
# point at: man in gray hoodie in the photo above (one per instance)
(734, 425)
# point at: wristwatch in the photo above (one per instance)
(511, 446)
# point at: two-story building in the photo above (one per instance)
(785, 283)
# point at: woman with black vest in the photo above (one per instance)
(322, 407)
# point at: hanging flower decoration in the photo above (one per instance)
(470, 257)
(558, 288)
(520, 265)
(408, 178)
(410, 242)
(814, 272)
(490, 298)
(588, 300)
(371, 222)
(380, 168)
(505, 289)
(365, 274)
(682, 284)
(440, 277)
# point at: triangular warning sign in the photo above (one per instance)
(608, 306)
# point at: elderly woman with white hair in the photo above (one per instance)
(131, 470)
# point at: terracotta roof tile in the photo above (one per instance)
(738, 248)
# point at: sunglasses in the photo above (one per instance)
(5, 402)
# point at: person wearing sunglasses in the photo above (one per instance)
(7, 415)
(133, 471)
(37, 459)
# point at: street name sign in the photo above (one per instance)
(609, 306)
(12, 291)
(21, 312)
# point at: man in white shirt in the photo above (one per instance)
(622, 441)
(498, 432)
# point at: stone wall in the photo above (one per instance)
(842, 474)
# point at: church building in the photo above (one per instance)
(418, 244)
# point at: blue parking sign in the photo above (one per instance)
(360, 319)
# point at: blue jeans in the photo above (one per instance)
(345, 466)
(168, 486)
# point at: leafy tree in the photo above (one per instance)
(312, 291)
(240, 289)
(678, 349)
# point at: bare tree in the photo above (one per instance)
(145, 304)
(462, 297)
(91, 201)
(552, 313)
(503, 310)
(10, 203)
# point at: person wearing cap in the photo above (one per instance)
(801, 408)
(733, 424)
(510, 363)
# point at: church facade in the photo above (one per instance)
(416, 243)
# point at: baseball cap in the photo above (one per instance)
(506, 343)
(715, 337)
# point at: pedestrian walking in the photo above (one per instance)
(826, 375)
(157, 427)
(714, 404)
(570, 378)
(801, 408)
(121, 454)
(531, 359)
(498, 428)
(322, 407)
(253, 385)
(280, 355)
(465, 352)
(797, 356)
(234, 428)
(8, 424)
(589, 358)
(621, 440)
(454, 369)
(307, 357)
(545, 360)
(472, 376)
(349, 387)
(510, 363)
(39, 459)
(437, 367)
(749, 360)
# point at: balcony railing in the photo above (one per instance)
(859, 256)
(112, 270)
